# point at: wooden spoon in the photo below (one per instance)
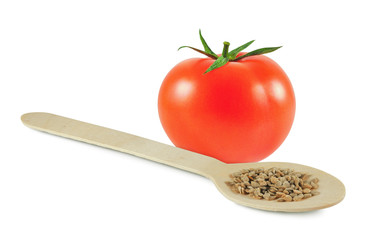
(332, 191)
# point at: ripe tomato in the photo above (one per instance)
(239, 112)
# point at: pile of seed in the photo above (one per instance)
(283, 185)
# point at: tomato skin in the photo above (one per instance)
(240, 112)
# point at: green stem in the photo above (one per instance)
(225, 49)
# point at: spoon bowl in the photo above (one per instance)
(332, 190)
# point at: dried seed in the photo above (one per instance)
(307, 195)
(299, 175)
(243, 171)
(288, 178)
(278, 184)
(273, 170)
(306, 185)
(272, 197)
(262, 183)
(296, 181)
(297, 191)
(250, 190)
(280, 173)
(264, 176)
(314, 192)
(255, 184)
(280, 194)
(273, 184)
(301, 182)
(229, 183)
(252, 173)
(257, 192)
(305, 177)
(286, 184)
(306, 190)
(244, 178)
(273, 179)
(298, 197)
(314, 185)
(288, 198)
(267, 196)
(273, 189)
(237, 180)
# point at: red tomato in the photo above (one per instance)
(240, 112)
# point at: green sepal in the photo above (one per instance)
(218, 63)
(258, 52)
(233, 54)
(228, 56)
(205, 45)
(200, 51)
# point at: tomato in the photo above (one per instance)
(239, 112)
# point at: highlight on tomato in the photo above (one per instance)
(236, 106)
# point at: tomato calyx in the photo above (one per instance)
(228, 56)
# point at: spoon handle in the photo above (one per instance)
(120, 141)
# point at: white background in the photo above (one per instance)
(103, 62)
